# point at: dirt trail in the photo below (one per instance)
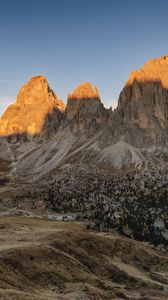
(44, 259)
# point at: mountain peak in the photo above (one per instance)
(84, 91)
(38, 77)
(155, 70)
(36, 107)
(143, 104)
(84, 107)
(37, 90)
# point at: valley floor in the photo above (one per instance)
(46, 259)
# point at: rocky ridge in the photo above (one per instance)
(127, 136)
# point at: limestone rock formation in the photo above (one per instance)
(116, 138)
(85, 109)
(36, 113)
(143, 105)
(84, 91)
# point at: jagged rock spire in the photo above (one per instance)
(84, 91)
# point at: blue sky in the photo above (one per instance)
(72, 41)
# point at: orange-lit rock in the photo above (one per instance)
(153, 70)
(143, 104)
(144, 81)
(37, 111)
(141, 118)
(84, 91)
(84, 107)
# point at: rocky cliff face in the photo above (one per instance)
(36, 113)
(141, 118)
(143, 105)
(84, 108)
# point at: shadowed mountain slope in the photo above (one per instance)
(87, 131)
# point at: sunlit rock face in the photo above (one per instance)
(85, 109)
(143, 104)
(37, 112)
(141, 118)
(84, 91)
